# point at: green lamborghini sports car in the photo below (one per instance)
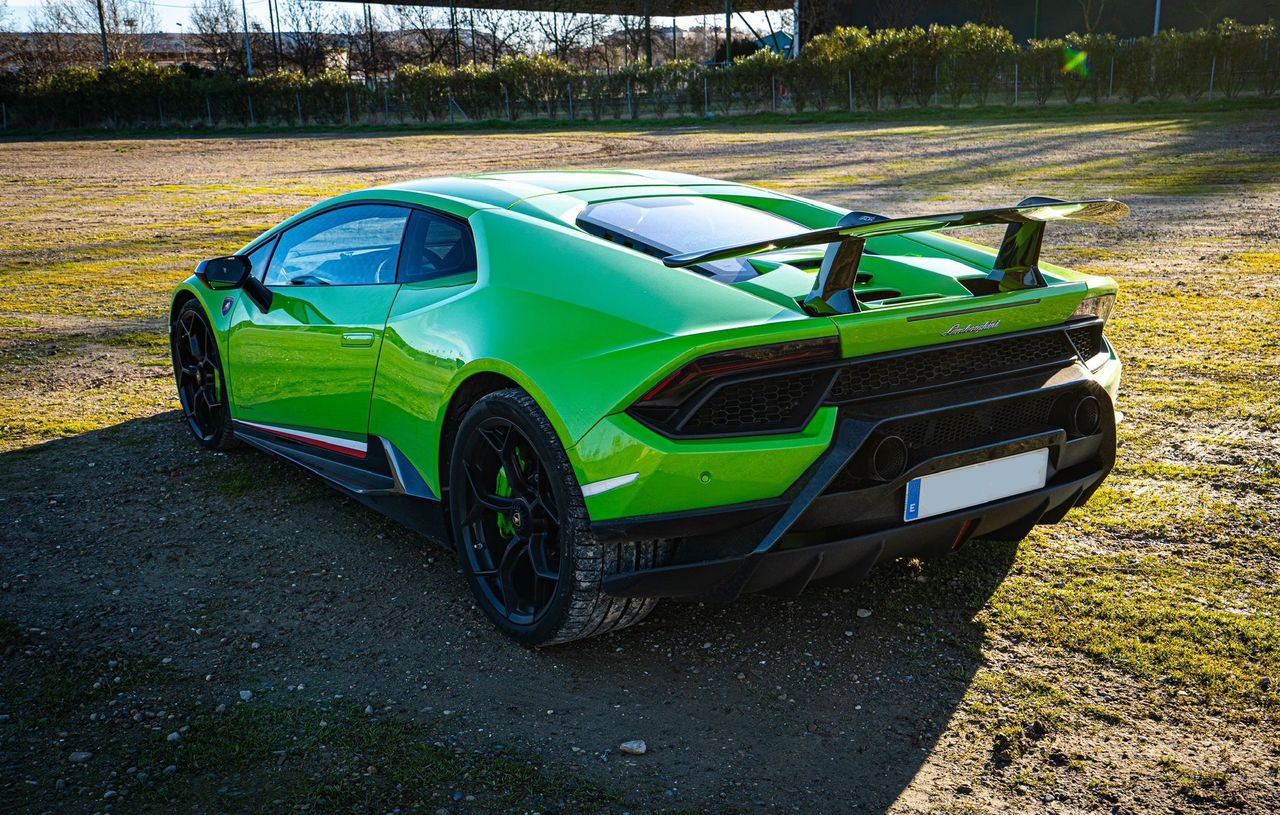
(606, 388)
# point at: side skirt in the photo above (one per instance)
(382, 479)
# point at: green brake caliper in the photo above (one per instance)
(503, 489)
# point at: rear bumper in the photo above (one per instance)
(832, 528)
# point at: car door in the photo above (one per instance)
(304, 369)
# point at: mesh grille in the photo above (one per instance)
(1087, 340)
(757, 405)
(945, 365)
(784, 402)
(961, 429)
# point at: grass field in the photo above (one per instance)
(1126, 660)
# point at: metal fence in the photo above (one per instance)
(586, 98)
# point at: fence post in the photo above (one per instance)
(571, 116)
(347, 96)
(208, 109)
(506, 100)
(631, 107)
(1015, 84)
(1111, 80)
(936, 77)
(386, 104)
(706, 97)
(253, 119)
(4, 116)
(160, 107)
(850, 78)
(449, 91)
(1213, 71)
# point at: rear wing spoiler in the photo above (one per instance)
(1015, 266)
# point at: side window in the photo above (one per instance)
(436, 246)
(260, 257)
(348, 246)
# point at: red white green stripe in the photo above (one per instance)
(337, 444)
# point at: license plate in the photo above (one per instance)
(975, 484)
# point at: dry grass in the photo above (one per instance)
(1162, 590)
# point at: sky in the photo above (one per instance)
(171, 13)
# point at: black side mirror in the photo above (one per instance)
(224, 273)
(234, 272)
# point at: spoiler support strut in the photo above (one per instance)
(1015, 267)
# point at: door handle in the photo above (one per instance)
(357, 339)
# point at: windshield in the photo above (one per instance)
(675, 224)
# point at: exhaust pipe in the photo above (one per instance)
(885, 460)
(1086, 416)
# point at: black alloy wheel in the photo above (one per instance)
(511, 526)
(201, 384)
(522, 532)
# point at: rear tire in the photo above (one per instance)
(522, 532)
(202, 385)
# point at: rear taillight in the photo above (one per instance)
(1099, 307)
(686, 381)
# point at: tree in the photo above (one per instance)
(632, 29)
(431, 38)
(1092, 10)
(368, 44)
(505, 33)
(218, 25)
(308, 36)
(70, 30)
(564, 31)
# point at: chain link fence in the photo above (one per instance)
(850, 70)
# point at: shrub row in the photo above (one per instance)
(848, 68)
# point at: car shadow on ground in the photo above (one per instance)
(133, 541)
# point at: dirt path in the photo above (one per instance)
(1001, 679)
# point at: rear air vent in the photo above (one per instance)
(1087, 340)
(923, 369)
(715, 400)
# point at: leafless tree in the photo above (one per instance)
(218, 26)
(125, 21)
(1092, 10)
(308, 36)
(367, 41)
(505, 32)
(1211, 12)
(632, 30)
(430, 38)
(564, 31)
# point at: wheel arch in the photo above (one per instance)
(469, 391)
(180, 298)
(477, 380)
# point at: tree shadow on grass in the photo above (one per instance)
(797, 705)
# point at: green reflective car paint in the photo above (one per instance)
(587, 327)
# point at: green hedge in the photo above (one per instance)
(848, 68)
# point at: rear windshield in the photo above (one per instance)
(676, 224)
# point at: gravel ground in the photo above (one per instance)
(145, 582)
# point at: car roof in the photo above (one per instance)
(510, 188)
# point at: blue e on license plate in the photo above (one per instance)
(975, 484)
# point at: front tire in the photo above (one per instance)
(522, 533)
(202, 386)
